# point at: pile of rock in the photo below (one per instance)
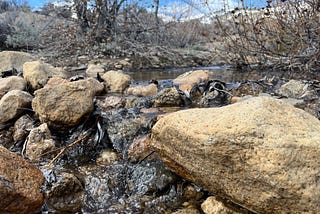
(258, 154)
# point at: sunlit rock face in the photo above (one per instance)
(261, 153)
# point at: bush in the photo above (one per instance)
(284, 36)
(24, 30)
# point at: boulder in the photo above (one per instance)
(37, 73)
(65, 104)
(93, 70)
(13, 59)
(168, 97)
(293, 89)
(13, 104)
(188, 79)
(39, 142)
(141, 90)
(20, 184)
(11, 83)
(116, 81)
(260, 153)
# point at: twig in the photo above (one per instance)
(67, 147)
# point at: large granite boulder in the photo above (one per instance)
(13, 59)
(37, 73)
(20, 184)
(261, 153)
(188, 79)
(13, 104)
(11, 83)
(63, 105)
(116, 81)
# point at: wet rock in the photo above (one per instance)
(110, 189)
(212, 206)
(140, 90)
(37, 73)
(20, 184)
(253, 88)
(93, 70)
(188, 210)
(66, 195)
(103, 187)
(150, 177)
(240, 152)
(107, 157)
(188, 79)
(122, 126)
(22, 128)
(168, 97)
(111, 102)
(214, 99)
(13, 104)
(11, 83)
(140, 148)
(116, 81)
(39, 142)
(138, 102)
(6, 138)
(13, 59)
(64, 105)
(293, 89)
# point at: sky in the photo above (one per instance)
(214, 3)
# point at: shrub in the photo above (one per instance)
(285, 35)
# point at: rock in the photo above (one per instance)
(13, 59)
(6, 137)
(188, 79)
(293, 89)
(122, 126)
(39, 143)
(116, 81)
(111, 102)
(212, 206)
(22, 128)
(260, 153)
(140, 90)
(140, 148)
(93, 70)
(20, 184)
(168, 97)
(11, 83)
(138, 102)
(64, 105)
(188, 210)
(107, 157)
(150, 177)
(37, 73)
(13, 104)
(54, 81)
(66, 195)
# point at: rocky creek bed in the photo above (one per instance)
(101, 142)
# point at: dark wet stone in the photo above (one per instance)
(65, 195)
(122, 126)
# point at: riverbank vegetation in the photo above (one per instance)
(283, 35)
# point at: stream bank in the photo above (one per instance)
(91, 135)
